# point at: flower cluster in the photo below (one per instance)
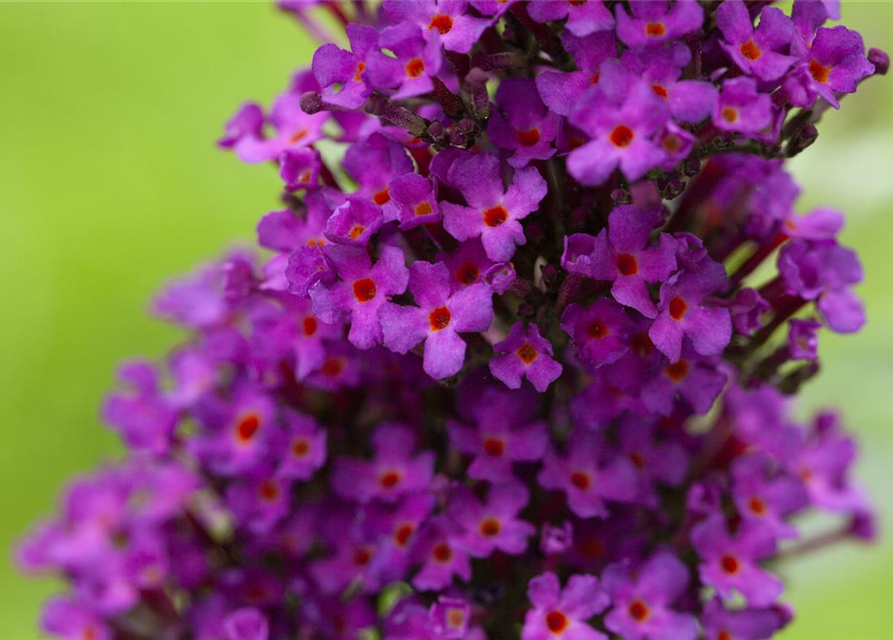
(514, 362)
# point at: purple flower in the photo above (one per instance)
(354, 222)
(586, 477)
(373, 163)
(70, 619)
(445, 21)
(561, 91)
(449, 618)
(299, 168)
(362, 290)
(503, 434)
(493, 212)
(742, 108)
(653, 22)
(525, 353)
(600, 332)
(692, 377)
(145, 420)
(306, 448)
(442, 556)
(492, 525)
(527, 129)
(259, 500)
(343, 75)
(467, 264)
(730, 563)
(415, 200)
(621, 115)
(294, 130)
(747, 308)
(583, 16)
(564, 612)
(248, 121)
(393, 473)
(763, 499)
(246, 624)
(685, 311)
(757, 51)
(803, 339)
(621, 254)
(438, 319)
(741, 624)
(417, 60)
(836, 63)
(824, 271)
(642, 600)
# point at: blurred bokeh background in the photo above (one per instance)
(110, 183)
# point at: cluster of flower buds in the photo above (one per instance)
(585, 194)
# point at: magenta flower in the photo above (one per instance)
(693, 378)
(343, 75)
(503, 434)
(621, 115)
(362, 290)
(438, 319)
(467, 264)
(416, 59)
(766, 500)
(834, 63)
(442, 556)
(757, 52)
(803, 339)
(354, 222)
(599, 332)
(622, 255)
(246, 624)
(741, 624)
(527, 129)
(642, 600)
(525, 354)
(493, 524)
(561, 612)
(393, 473)
(445, 21)
(306, 449)
(685, 311)
(582, 17)
(587, 476)
(654, 22)
(449, 618)
(560, 91)
(742, 108)
(730, 563)
(415, 200)
(493, 212)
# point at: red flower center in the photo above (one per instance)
(581, 480)
(660, 91)
(730, 114)
(415, 68)
(382, 197)
(389, 479)
(362, 556)
(641, 344)
(622, 136)
(819, 72)
(439, 318)
(627, 264)
(442, 552)
(364, 289)
(730, 564)
(655, 29)
(757, 506)
(494, 447)
(442, 23)
(247, 427)
(495, 216)
(597, 330)
(556, 621)
(639, 611)
(269, 490)
(468, 273)
(490, 527)
(678, 307)
(404, 533)
(356, 231)
(529, 138)
(297, 136)
(677, 371)
(301, 447)
(310, 325)
(332, 367)
(423, 208)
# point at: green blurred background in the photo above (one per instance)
(110, 183)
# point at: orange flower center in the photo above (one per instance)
(757, 506)
(382, 197)
(677, 371)
(490, 527)
(751, 51)
(678, 307)
(356, 231)
(627, 264)
(730, 114)
(423, 208)
(819, 72)
(655, 29)
(415, 68)
(527, 353)
(247, 427)
(639, 611)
